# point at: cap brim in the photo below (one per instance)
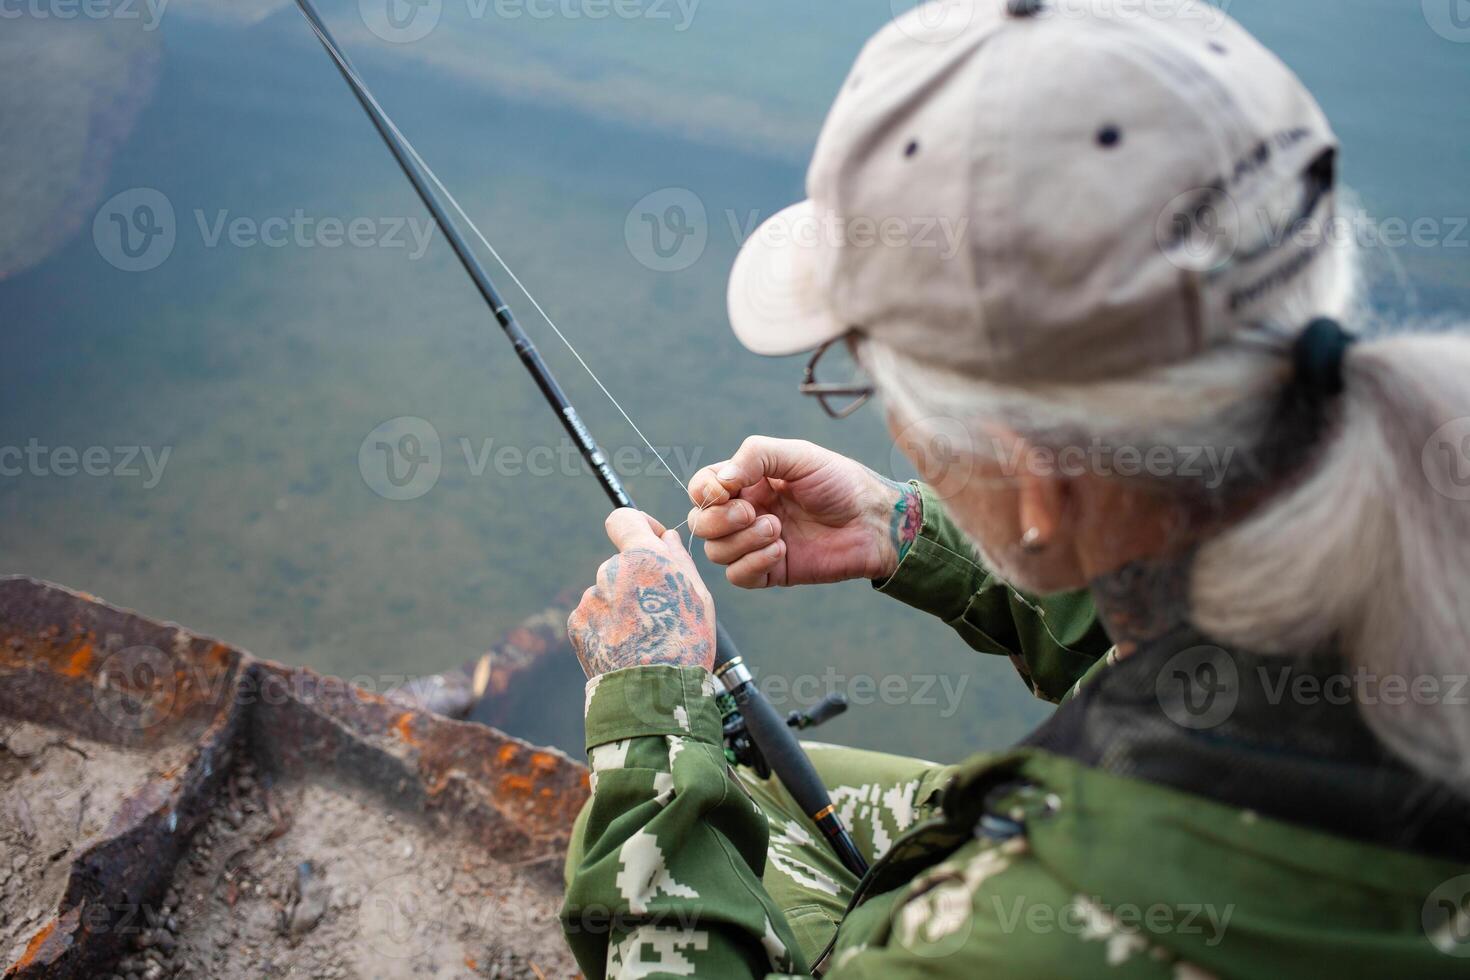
(776, 301)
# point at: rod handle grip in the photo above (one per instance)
(787, 759)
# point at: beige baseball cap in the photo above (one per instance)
(1036, 189)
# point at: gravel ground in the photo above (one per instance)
(285, 879)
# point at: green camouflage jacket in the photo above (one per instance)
(1114, 842)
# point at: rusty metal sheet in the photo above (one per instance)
(72, 664)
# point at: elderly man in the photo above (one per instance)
(1192, 808)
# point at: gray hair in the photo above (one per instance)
(1362, 543)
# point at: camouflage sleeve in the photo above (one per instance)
(669, 883)
(1052, 641)
(993, 910)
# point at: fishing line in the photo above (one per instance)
(770, 742)
(347, 68)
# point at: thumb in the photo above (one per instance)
(757, 459)
(628, 528)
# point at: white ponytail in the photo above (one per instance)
(1365, 550)
(1370, 552)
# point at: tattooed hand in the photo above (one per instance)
(786, 512)
(648, 606)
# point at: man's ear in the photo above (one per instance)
(1042, 496)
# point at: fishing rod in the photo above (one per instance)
(753, 729)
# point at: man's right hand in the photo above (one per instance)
(787, 512)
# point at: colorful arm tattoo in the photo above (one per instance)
(907, 517)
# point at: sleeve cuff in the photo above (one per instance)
(941, 571)
(658, 699)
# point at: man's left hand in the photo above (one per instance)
(648, 606)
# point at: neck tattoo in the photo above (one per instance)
(1142, 600)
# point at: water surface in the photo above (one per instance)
(261, 370)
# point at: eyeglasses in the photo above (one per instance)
(837, 400)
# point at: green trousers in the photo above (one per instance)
(878, 796)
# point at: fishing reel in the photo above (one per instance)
(740, 748)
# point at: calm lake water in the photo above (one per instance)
(265, 306)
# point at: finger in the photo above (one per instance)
(757, 458)
(680, 556)
(762, 457)
(605, 573)
(716, 522)
(730, 549)
(705, 489)
(686, 561)
(755, 569)
(628, 528)
(577, 623)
